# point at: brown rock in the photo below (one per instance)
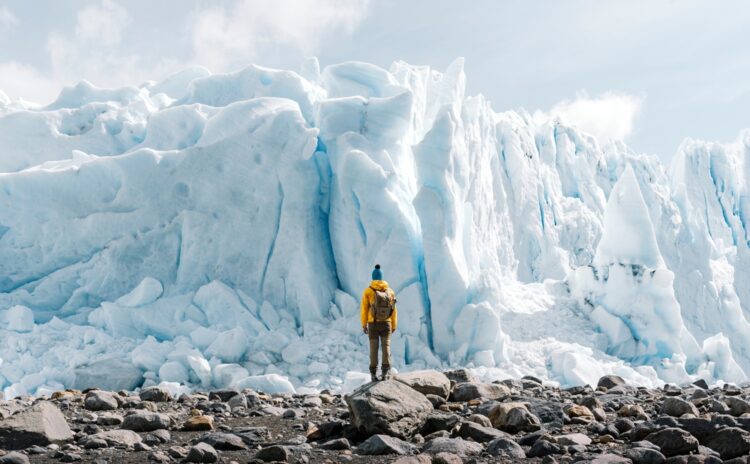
(198, 423)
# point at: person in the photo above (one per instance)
(379, 319)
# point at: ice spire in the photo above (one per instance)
(628, 235)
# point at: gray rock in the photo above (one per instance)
(274, 453)
(717, 406)
(337, 445)
(730, 442)
(14, 458)
(507, 448)
(384, 444)
(514, 418)
(427, 382)
(237, 401)
(673, 441)
(447, 458)
(98, 400)
(460, 376)
(93, 443)
(155, 394)
(676, 407)
(224, 441)
(542, 448)
(70, 457)
(418, 459)
(125, 438)
(548, 412)
(572, 439)
(700, 428)
(109, 419)
(645, 456)
(610, 381)
(157, 437)
(479, 433)
(610, 458)
(40, 424)
(223, 395)
(388, 407)
(436, 400)
(737, 406)
(272, 411)
(252, 436)
(144, 421)
(159, 456)
(439, 420)
(644, 444)
(202, 452)
(457, 446)
(701, 383)
(108, 374)
(325, 430)
(468, 391)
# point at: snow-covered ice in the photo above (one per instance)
(217, 231)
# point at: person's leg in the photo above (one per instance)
(372, 333)
(385, 342)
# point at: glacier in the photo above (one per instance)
(216, 230)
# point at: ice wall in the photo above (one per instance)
(214, 229)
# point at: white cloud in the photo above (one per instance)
(21, 80)
(7, 18)
(608, 117)
(223, 37)
(102, 22)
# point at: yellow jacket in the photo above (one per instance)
(368, 299)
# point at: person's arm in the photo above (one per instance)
(364, 309)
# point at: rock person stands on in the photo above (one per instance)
(379, 317)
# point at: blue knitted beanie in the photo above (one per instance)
(377, 274)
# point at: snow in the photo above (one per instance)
(214, 231)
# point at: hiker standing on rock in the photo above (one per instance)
(378, 313)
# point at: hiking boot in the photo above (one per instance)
(373, 376)
(386, 375)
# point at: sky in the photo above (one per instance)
(649, 72)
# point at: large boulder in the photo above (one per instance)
(479, 433)
(14, 457)
(202, 452)
(224, 441)
(730, 443)
(514, 418)
(388, 407)
(40, 424)
(737, 406)
(124, 438)
(468, 391)
(677, 407)
(460, 376)
(673, 441)
(155, 394)
(506, 448)
(426, 382)
(610, 381)
(384, 444)
(645, 456)
(457, 446)
(98, 400)
(144, 421)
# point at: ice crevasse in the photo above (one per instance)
(217, 230)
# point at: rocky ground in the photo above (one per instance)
(416, 418)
